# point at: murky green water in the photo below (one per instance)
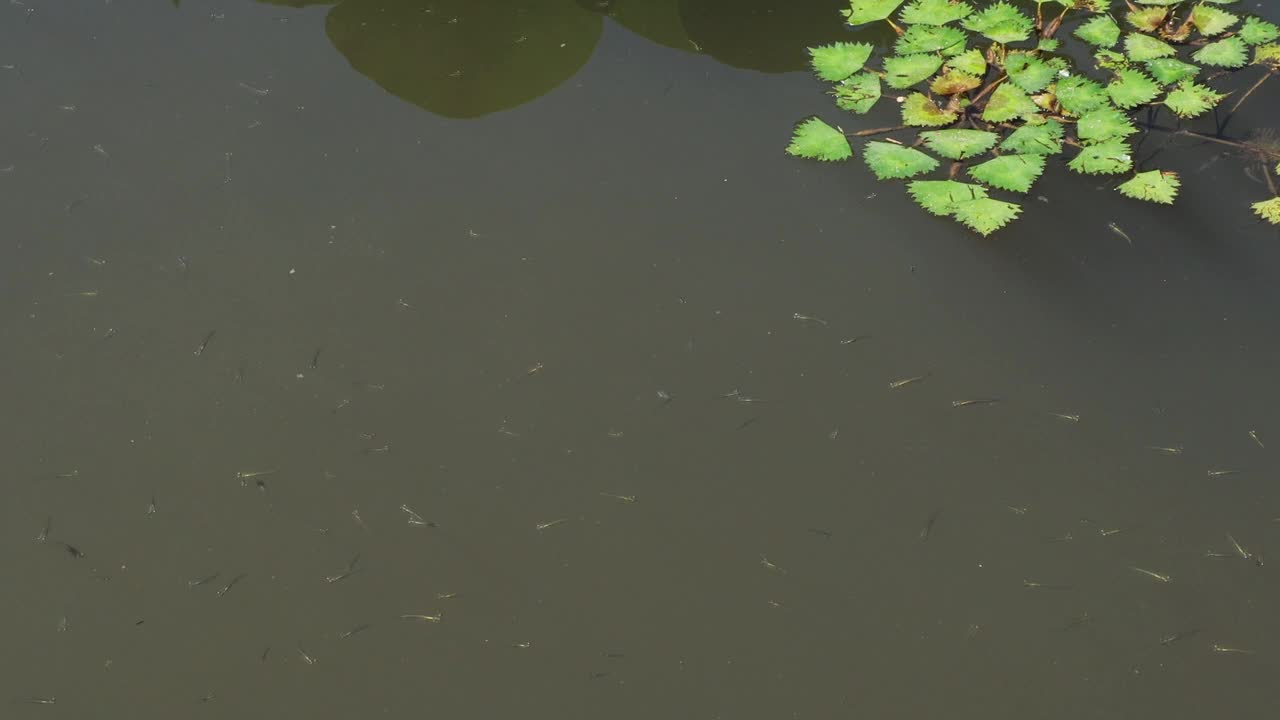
(519, 266)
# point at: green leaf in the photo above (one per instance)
(1268, 55)
(1132, 88)
(1109, 157)
(1078, 94)
(861, 12)
(986, 215)
(816, 140)
(891, 161)
(858, 93)
(1048, 44)
(1157, 186)
(1032, 73)
(1104, 124)
(954, 81)
(940, 197)
(1167, 71)
(1099, 31)
(931, 38)
(934, 12)
(1230, 52)
(1257, 31)
(1191, 99)
(1014, 173)
(970, 62)
(1147, 19)
(838, 61)
(1141, 48)
(1268, 210)
(1110, 60)
(1008, 102)
(958, 144)
(1043, 139)
(1001, 22)
(907, 70)
(1211, 21)
(920, 111)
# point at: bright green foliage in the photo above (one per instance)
(865, 11)
(1191, 99)
(1141, 48)
(1043, 139)
(1268, 210)
(1171, 70)
(1008, 102)
(1211, 21)
(1111, 60)
(931, 38)
(1110, 157)
(970, 62)
(954, 81)
(934, 12)
(890, 161)
(1230, 52)
(1104, 124)
(940, 197)
(906, 70)
(1048, 44)
(1157, 186)
(1014, 173)
(1256, 31)
(958, 144)
(1132, 88)
(838, 61)
(1146, 19)
(1001, 22)
(919, 111)
(986, 215)
(817, 140)
(1100, 31)
(1268, 55)
(1030, 72)
(858, 93)
(1078, 94)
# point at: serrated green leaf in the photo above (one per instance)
(1008, 102)
(1257, 31)
(1078, 94)
(890, 161)
(1268, 210)
(954, 81)
(837, 61)
(1157, 186)
(931, 38)
(1104, 124)
(906, 70)
(934, 12)
(1167, 71)
(1001, 22)
(1229, 52)
(1132, 88)
(1211, 21)
(1268, 55)
(1147, 19)
(816, 140)
(1099, 31)
(1032, 73)
(1110, 157)
(1141, 48)
(1191, 99)
(919, 111)
(1014, 173)
(1043, 139)
(970, 62)
(986, 215)
(861, 12)
(958, 144)
(1048, 44)
(940, 197)
(858, 93)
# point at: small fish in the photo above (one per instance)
(821, 533)
(197, 582)
(423, 618)
(355, 515)
(967, 403)
(1216, 554)
(227, 588)
(205, 343)
(895, 384)
(446, 595)
(809, 319)
(1034, 585)
(243, 475)
(98, 149)
(854, 339)
(415, 518)
(928, 525)
(85, 293)
(152, 508)
(767, 565)
(1175, 637)
(63, 624)
(1254, 434)
(44, 531)
(1172, 450)
(1152, 574)
(1221, 472)
(260, 92)
(1017, 510)
(1116, 531)
(354, 630)
(1080, 620)
(1235, 544)
(1066, 416)
(380, 450)
(34, 700)
(94, 261)
(665, 398)
(747, 423)
(315, 360)
(1116, 229)
(1066, 537)
(352, 569)
(550, 523)
(1226, 650)
(623, 498)
(305, 657)
(72, 550)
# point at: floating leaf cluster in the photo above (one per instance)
(991, 89)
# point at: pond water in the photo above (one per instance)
(397, 357)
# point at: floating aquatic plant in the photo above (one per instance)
(996, 93)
